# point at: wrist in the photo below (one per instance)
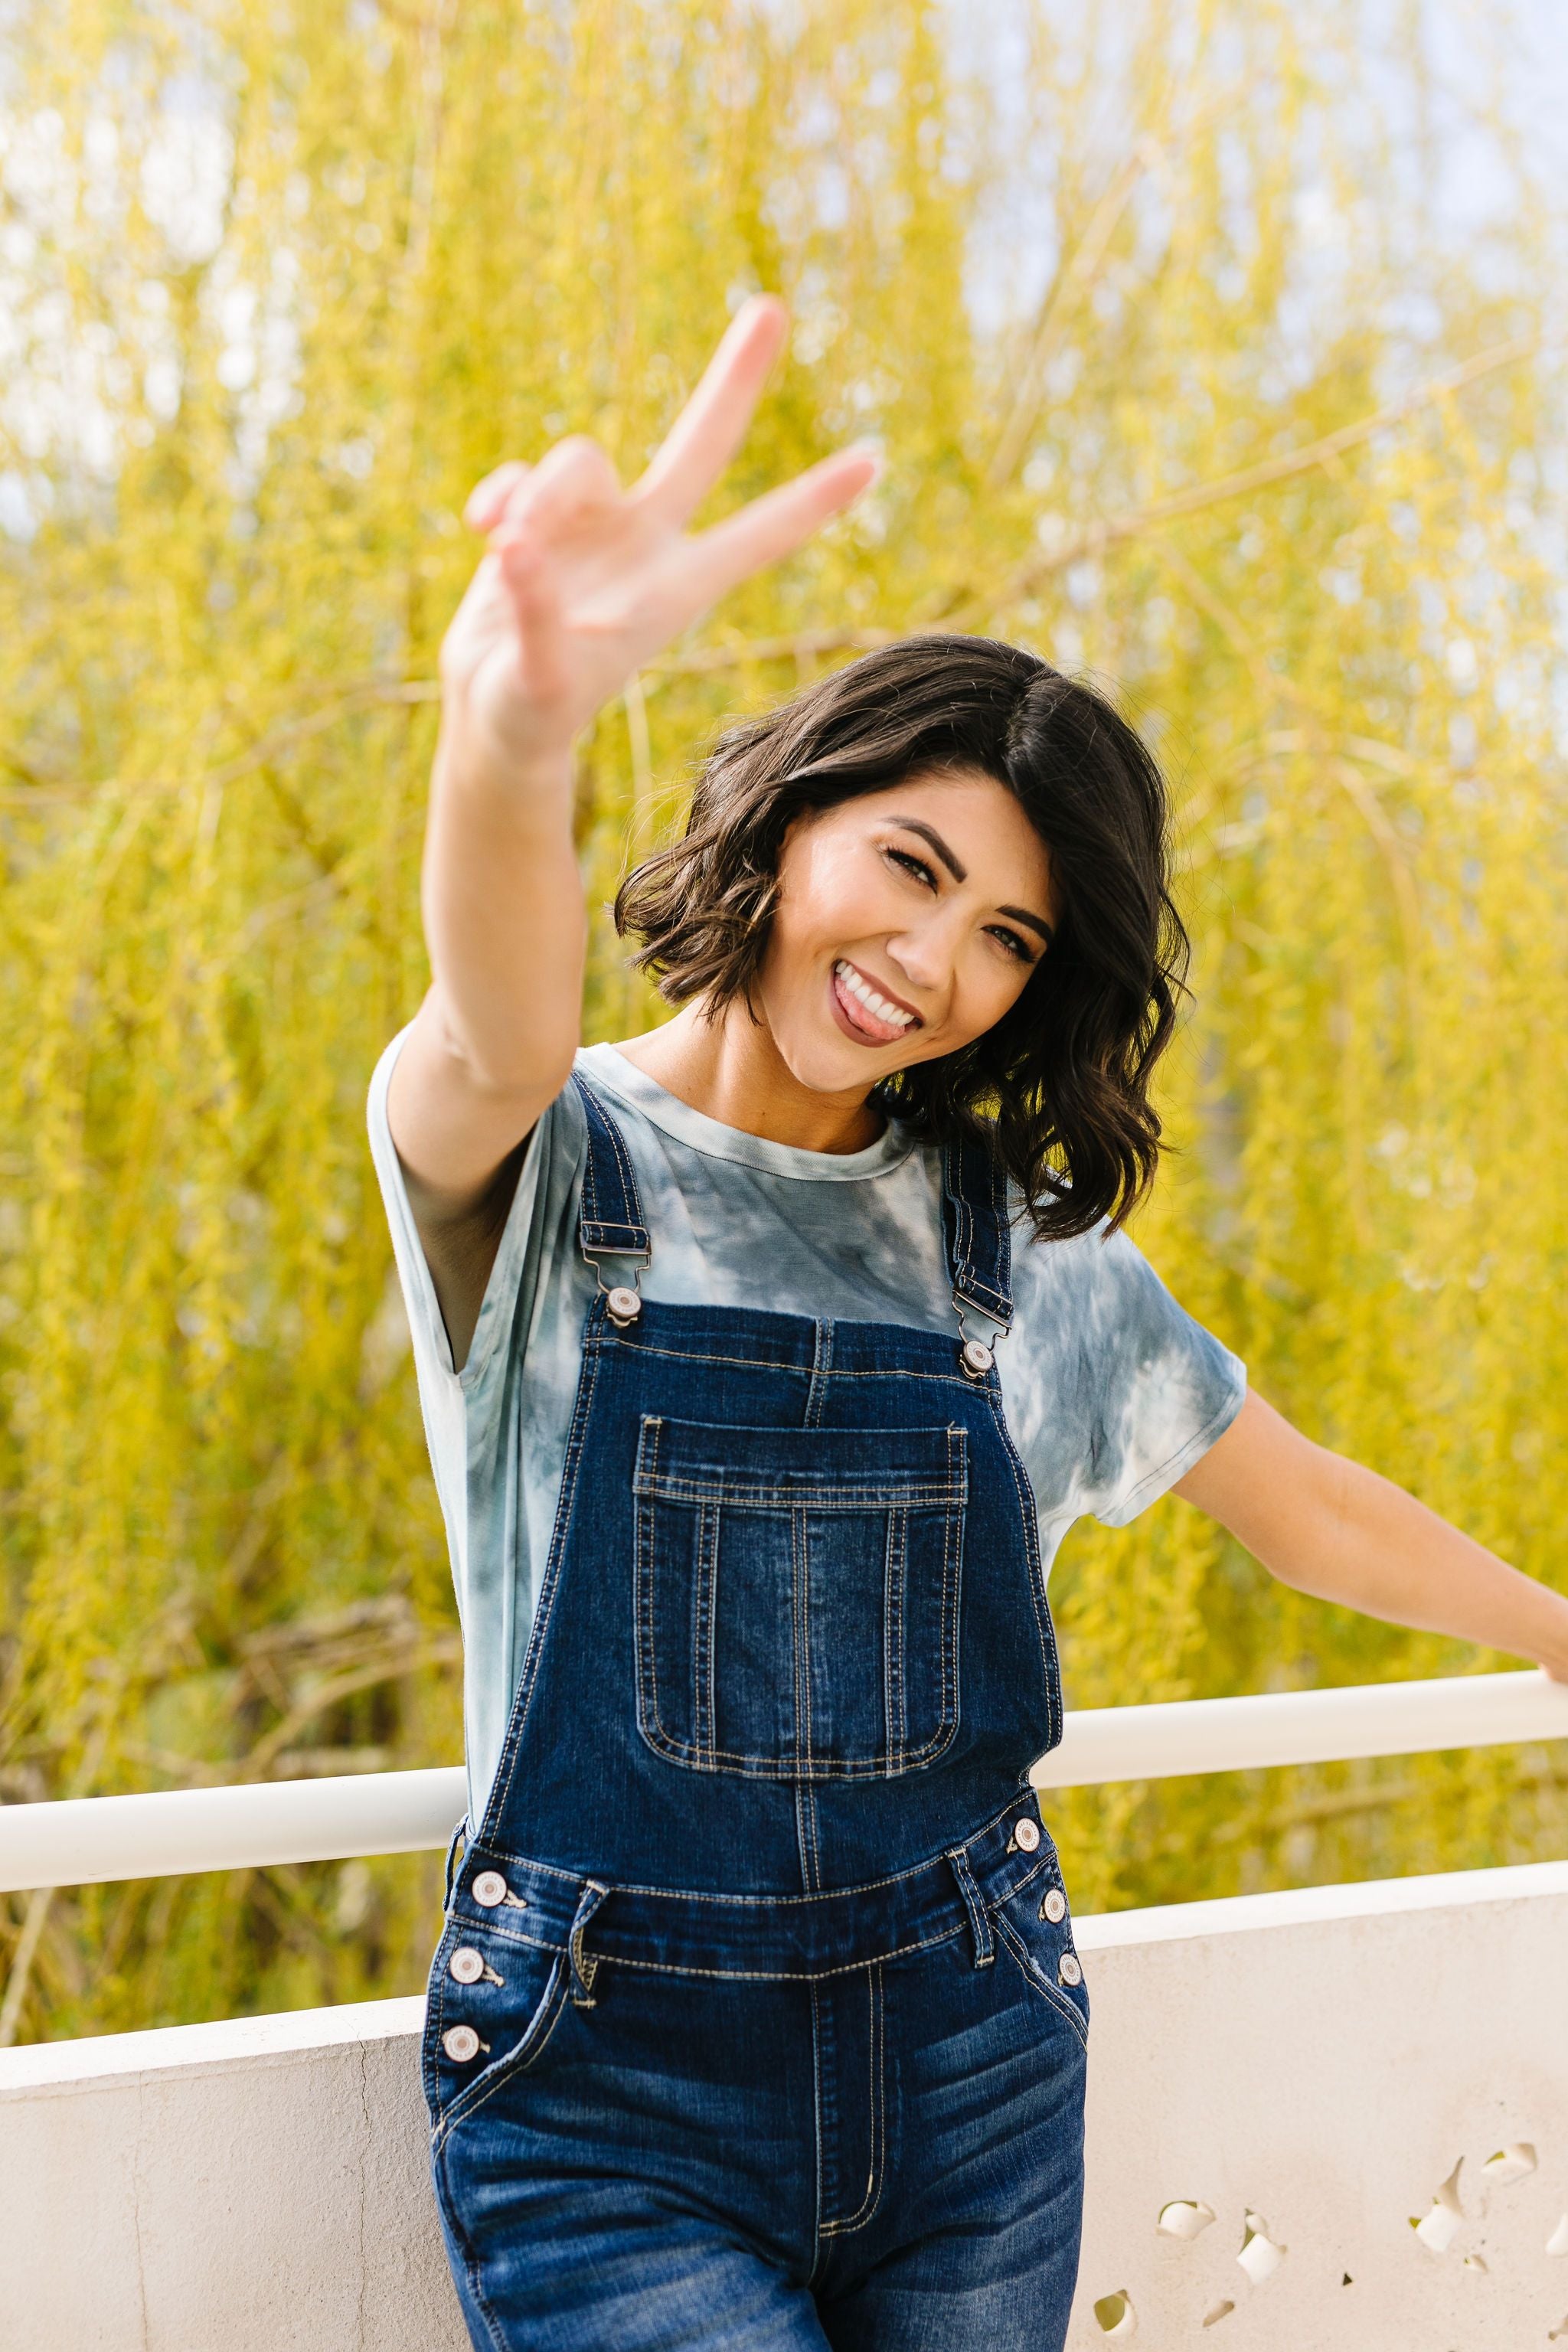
(1550, 1649)
(471, 765)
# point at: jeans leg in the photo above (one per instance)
(639, 2279)
(648, 2186)
(974, 2246)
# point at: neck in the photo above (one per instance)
(730, 1069)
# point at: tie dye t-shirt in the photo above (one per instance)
(1111, 1390)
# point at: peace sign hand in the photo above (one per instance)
(583, 581)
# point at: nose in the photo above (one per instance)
(924, 956)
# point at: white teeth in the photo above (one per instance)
(893, 1015)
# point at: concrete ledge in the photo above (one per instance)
(1319, 2060)
(258, 2185)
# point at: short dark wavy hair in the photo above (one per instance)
(1060, 1086)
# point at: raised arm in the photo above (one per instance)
(1331, 1527)
(581, 584)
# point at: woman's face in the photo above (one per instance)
(908, 922)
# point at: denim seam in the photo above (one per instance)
(802, 1494)
(706, 1641)
(470, 2266)
(1043, 1862)
(510, 1936)
(974, 1906)
(632, 1223)
(821, 1364)
(514, 2064)
(807, 1767)
(1028, 1514)
(500, 1786)
(806, 1831)
(517, 2061)
(1009, 1935)
(873, 2197)
(674, 1967)
(817, 2231)
(644, 1526)
(800, 1637)
(800, 1631)
(695, 1355)
(895, 1578)
(430, 2065)
(777, 1976)
(866, 1886)
(952, 1588)
(630, 1199)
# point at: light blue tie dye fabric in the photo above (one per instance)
(1111, 1390)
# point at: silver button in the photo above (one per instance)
(1027, 1833)
(1054, 1907)
(490, 1889)
(460, 2043)
(623, 1305)
(976, 1359)
(1068, 1968)
(466, 1964)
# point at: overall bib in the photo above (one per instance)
(756, 2022)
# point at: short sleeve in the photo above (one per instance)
(1165, 1388)
(456, 1406)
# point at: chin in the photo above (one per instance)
(831, 1065)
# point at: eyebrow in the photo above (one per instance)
(960, 873)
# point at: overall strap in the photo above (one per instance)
(611, 1218)
(974, 1226)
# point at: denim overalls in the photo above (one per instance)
(756, 2022)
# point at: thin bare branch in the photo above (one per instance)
(1071, 278)
(1098, 537)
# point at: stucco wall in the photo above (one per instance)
(1322, 2060)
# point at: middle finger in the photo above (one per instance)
(712, 425)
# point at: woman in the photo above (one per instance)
(765, 1360)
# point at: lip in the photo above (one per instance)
(840, 1001)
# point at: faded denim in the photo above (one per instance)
(765, 2028)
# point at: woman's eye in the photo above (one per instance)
(915, 866)
(1014, 945)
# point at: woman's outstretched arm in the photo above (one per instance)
(1330, 1528)
(581, 584)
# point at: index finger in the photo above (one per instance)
(776, 523)
(712, 425)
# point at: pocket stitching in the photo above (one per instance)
(523, 2054)
(1008, 1934)
(650, 1485)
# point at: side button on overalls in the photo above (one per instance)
(757, 2021)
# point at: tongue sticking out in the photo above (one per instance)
(862, 1020)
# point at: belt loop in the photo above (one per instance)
(461, 1832)
(979, 1925)
(584, 1965)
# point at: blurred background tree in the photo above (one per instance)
(1207, 341)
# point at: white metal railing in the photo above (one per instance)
(87, 1841)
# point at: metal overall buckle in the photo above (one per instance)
(623, 1301)
(975, 1358)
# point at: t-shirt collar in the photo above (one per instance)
(609, 1069)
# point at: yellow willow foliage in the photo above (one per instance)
(1185, 378)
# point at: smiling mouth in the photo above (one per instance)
(865, 1012)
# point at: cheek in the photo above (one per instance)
(987, 990)
(830, 896)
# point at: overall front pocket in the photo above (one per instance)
(798, 1596)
